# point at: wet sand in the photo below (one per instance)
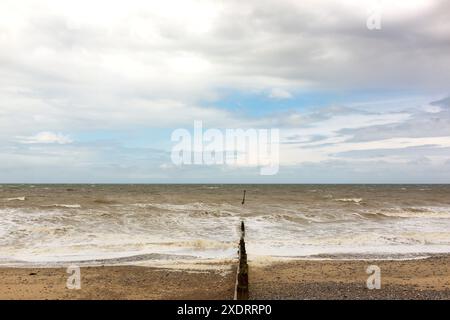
(411, 279)
(118, 282)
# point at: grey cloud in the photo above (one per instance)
(331, 46)
(420, 161)
(295, 139)
(442, 103)
(421, 124)
(144, 70)
(406, 153)
(250, 44)
(80, 162)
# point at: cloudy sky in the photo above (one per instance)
(91, 91)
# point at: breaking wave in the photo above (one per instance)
(354, 200)
(121, 222)
(15, 199)
(70, 206)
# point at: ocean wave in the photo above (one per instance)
(278, 223)
(195, 208)
(16, 199)
(201, 244)
(71, 206)
(105, 201)
(293, 218)
(177, 207)
(354, 200)
(418, 212)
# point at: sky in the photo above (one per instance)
(91, 91)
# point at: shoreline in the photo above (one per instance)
(424, 278)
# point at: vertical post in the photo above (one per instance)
(241, 290)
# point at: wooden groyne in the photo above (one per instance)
(241, 289)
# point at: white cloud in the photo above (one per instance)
(303, 153)
(82, 67)
(432, 109)
(148, 48)
(46, 137)
(278, 93)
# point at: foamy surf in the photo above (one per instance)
(354, 200)
(70, 206)
(157, 224)
(15, 199)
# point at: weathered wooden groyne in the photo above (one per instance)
(241, 289)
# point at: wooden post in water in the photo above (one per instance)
(241, 290)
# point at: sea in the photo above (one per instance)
(94, 224)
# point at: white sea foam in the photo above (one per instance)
(418, 212)
(355, 200)
(73, 206)
(175, 228)
(15, 199)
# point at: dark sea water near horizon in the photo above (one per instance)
(128, 224)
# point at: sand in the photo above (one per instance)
(410, 279)
(118, 282)
(298, 279)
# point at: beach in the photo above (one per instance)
(293, 279)
(220, 150)
(180, 241)
(118, 282)
(346, 279)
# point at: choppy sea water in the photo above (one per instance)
(48, 224)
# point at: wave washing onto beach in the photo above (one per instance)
(134, 224)
(64, 205)
(355, 200)
(15, 199)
